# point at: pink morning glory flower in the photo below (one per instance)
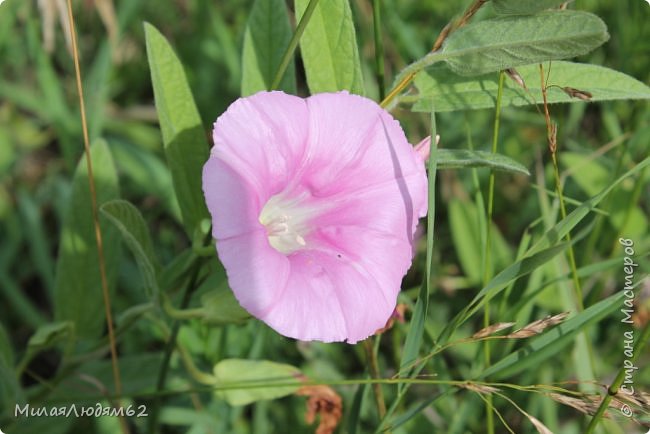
(314, 204)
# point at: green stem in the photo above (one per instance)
(570, 252)
(293, 43)
(487, 265)
(379, 47)
(618, 381)
(373, 367)
(169, 348)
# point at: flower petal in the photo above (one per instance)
(336, 173)
(257, 273)
(233, 204)
(262, 137)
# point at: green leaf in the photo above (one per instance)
(451, 92)
(147, 173)
(135, 233)
(221, 307)
(500, 43)
(523, 7)
(465, 158)
(49, 335)
(553, 341)
(329, 48)
(267, 36)
(77, 288)
(185, 141)
(242, 381)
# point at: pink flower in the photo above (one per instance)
(314, 203)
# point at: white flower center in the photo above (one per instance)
(286, 220)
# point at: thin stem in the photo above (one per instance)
(98, 232)
(618, 381)
(293, 43)
(487, 265)
(552, 138)
(373, 367)
(379, 47)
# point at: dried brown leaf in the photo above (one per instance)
(587, 404)
(577, 93)
(537, 327)
(325, 402)
(492, 329)
(514, 75)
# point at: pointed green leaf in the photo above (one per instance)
(266, 39)
(242, 381)
(523, 7)
(135, 233)
(48, 336)
(465, 158)
(185, 141)
(553, 341)
(500, 43)
(329, 48)
(451, 92)
(77, 288)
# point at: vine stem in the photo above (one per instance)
(373, 367)
(552, 140)
(293, 43)
(95, 214)
(487, 264)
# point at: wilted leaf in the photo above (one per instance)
(324, 402)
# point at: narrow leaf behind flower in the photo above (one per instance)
(465, 158)
(500, 43)
(267, 36)
(523, 7)
(185, 141)
(135, 233)
(329, 48)
(452, 92)
(415, 334)
(77, 287)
